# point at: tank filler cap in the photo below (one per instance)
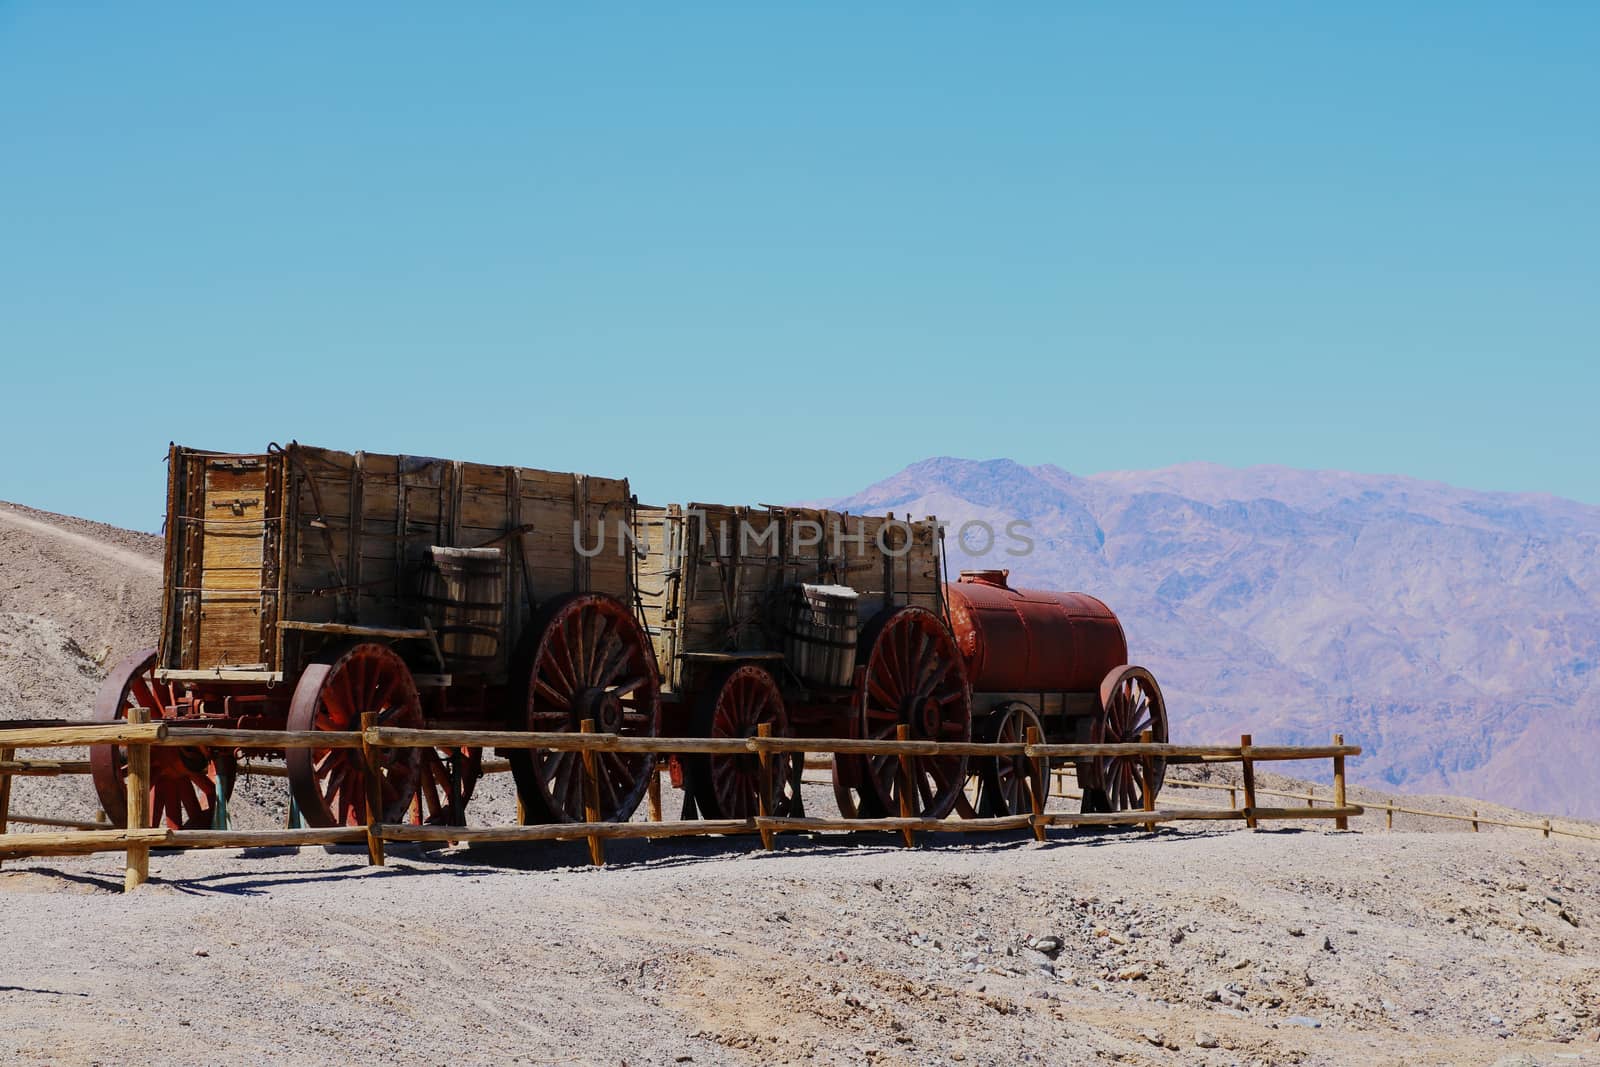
(995, 578)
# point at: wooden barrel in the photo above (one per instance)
(464, 597)
(820, 635)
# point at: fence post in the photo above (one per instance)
(1037, 787)
(138, 787)
(591, 797)
(1233, 799)
(373, 781)
(1248, 769)
(652, 791)
(1149, 766)
(1342, 822)
(764, 784)
(6, 754)
(1388, 814)
(1474, 820)
(1547, 828)
(904, 783)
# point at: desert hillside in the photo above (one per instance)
(1455, 633)
(75, 597)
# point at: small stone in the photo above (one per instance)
(201, 952)
(1297, 931)
(1327, 945)
(1130, 974)
(1205, 1040)
(1153, 1036)
(1240, 965)
(1176, 937)
(1304, 1020)
(1211, 996)
(1047, 944)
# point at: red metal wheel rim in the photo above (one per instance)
(1130, 703)
(727, 787)
(184, 782)
(914, 676)
(329, 784)
(590, 660)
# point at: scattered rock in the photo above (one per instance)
(1240, 965)
(201, 952)
(1303, 1020)
(1297, 931)
(1047, 944)
(1327, 945)
(1205, 1040)
(1130, 974)
(1153, 1036)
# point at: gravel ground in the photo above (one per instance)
(1192, 946)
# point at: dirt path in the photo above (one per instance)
(134, 561)
(1190, 947)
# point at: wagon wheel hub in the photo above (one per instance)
(601, 705)
(925, 716)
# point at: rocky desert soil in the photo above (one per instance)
(1184, 947)
(1295, 945)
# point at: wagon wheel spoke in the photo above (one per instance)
(333, 694)
(587, 659)
(734, 704)
(184, 783)
(913, 676)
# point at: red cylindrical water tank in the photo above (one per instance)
(1032, 640)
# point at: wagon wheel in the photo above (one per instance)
(1130, 703)
(855, 799)
(329, 784)
(1008, 781)
(588, 659)
(914, 676)
(183, 781)
(726, 786)
(448, 777)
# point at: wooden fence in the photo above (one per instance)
(1389, 809)
(139, 736)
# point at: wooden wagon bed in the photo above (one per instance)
(271, 555)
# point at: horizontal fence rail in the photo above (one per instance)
(1388, 809)
(139, 736)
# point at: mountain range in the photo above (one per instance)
(1454, 634)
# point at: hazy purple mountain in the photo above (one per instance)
(1454, 634)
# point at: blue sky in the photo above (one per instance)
(761, 253)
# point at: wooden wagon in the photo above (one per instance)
(305, 586)
(816, 623)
